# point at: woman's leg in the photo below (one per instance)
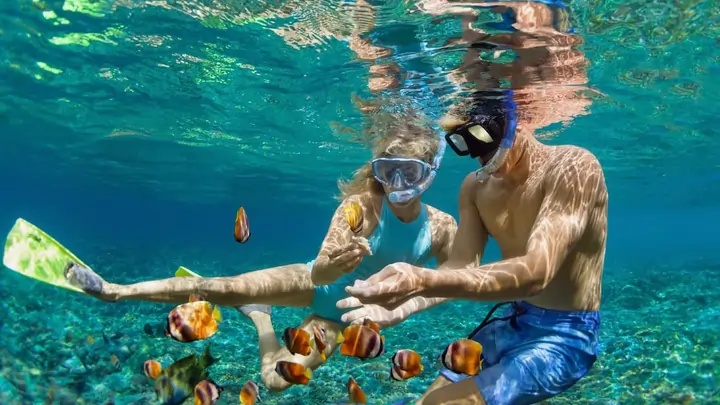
(288, 285)
(271, 351)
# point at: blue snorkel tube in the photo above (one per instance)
(402, 196)
(506, 143)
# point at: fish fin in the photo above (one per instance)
(422, 368)
(383, 339)
(308, 373)
(207, 359)
(323, 356)
(339, 338)
(185, 272)
(216, 314)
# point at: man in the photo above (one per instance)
(546, 206)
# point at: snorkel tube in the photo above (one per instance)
(403, 196)
(500, 156)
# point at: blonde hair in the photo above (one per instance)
(409, 135)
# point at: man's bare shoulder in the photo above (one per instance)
(574, 165)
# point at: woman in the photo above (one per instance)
(404, 230)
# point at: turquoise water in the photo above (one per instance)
(131, 132)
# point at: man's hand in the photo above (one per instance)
(385, 318)
(392, 286)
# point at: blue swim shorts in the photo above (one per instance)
(532, 354)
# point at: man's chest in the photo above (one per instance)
(509, 215)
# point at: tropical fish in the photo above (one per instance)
(463, 356)
(193, 321)
(354, 217)
(115, 361)
(242, 227)
(249, 393)
(293, 373)
(297, 341)
(362, 341)
(152, 368)
(407, 360)
(90, 340)
(355, 393)
(177, 382)
(207, 392)
(320, 341)
(398, 374)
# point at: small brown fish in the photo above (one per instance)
(408, 360)
(249, 393)
(152, 369)
(242, 227)
(207, 392)
(362, 341)
(297, 341)
(463, 356)
(320, 341)
(293, 373)
(355, 393)
(90, 340)
(193, 321)
(115, 361)
(354, 217)
(398, 374)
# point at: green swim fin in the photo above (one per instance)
(35, 254)
(185, 272)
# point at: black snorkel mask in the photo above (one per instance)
(490, 130)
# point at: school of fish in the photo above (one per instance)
(199, 319)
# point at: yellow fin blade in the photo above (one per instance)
(185, 272)
(308, 373)
(339, 338)
(323, 356)
(216, 314)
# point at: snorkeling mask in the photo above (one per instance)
(491, 129)
(408, 178)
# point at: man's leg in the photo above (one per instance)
(288, 285)
(444, 391)
(271, 351)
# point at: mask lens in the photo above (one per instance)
(459, 142)
(398, 172)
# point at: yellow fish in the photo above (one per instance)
(193, 321)
(354, 217)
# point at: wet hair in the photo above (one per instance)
(477, 106)
(408, 134)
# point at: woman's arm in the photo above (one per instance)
(339, 250)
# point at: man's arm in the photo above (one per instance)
(463, 250)
(570, 197)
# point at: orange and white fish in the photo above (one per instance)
(463, 356)
(249, 393)
(355, 393)
(193, 321)
(297, 341)
(242, 227)
(152, 369)
(398, 374)
(362, 341)
(207, 392)
(407, 360)
(354, 217)
(293, 373)
(405, 364)
(320, 341)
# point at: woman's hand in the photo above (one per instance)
(339, 261)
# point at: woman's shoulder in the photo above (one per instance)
(440, 220)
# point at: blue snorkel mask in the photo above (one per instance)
(490, 130)
(408, 178)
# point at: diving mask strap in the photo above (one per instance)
(407, 195)
(506, 143)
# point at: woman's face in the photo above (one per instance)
(399, 177)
